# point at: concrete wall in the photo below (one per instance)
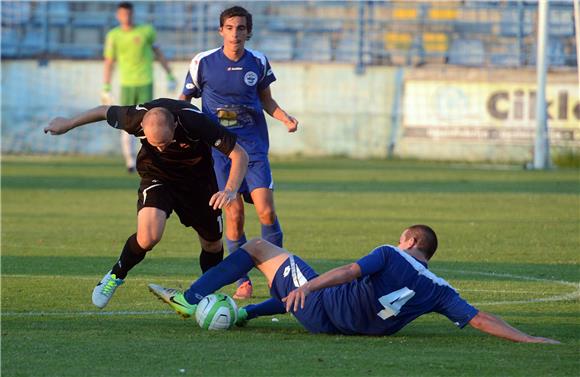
(340, 112)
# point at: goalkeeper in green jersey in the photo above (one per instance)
(133, 48)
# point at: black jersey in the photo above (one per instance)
(186, 158)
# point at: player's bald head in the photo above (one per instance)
(159, 127)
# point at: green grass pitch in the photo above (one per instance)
(509, 242)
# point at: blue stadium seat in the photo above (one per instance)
(561, 21)
(468, 52)
(315, 47)
(555, 52)
(172, 16)
(276, 46)
(10, 42)
(505, 59)
(33, 43)
(58, 13)
(511, 23)
(16, 13)
(141, 13)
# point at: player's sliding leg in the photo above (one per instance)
(265, 256)
(228, 271)
(271, 306)
(150, 226)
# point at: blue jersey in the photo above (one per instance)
(394, 289)
(229, 92)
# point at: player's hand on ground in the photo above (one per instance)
(291, 123)
(58, 126)
(539, 339)
(296, 299)
(222, 199)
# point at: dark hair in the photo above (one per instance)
(125, 5)
(237, 12)
(425, 237)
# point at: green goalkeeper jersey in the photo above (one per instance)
(133, 51)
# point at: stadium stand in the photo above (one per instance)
(468, 33)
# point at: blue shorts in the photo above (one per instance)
(293, 273)
(259, 174)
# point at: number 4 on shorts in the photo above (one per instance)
(394, 301)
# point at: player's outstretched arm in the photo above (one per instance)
(495, 326)
(340, 275)
(275, 111)
(60, 125)
(240, 161)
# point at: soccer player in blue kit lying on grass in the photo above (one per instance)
(377, 295)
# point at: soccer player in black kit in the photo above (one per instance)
(176, 169)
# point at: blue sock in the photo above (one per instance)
(233, 246)
(269, 307)
(229, 270)
(273, 233)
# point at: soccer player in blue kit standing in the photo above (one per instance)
(234, 85)
(377, 295)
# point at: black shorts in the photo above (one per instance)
(189, 199)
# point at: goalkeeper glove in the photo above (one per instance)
(106, 95)
(171, 83)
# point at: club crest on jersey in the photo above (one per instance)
(250, 78)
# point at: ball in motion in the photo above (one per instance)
(216, 312)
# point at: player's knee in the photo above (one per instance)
(235, 218)
(211, 246)
(253, 246)
(267, 216)
(148, 241)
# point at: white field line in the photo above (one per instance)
(565, 297)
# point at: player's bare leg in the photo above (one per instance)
(235, 237)
(128, 150)
(150, 226)
(264, 203)
(267, 257)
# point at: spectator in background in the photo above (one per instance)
(133, 48)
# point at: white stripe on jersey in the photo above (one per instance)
(194, 65)
(422, 270)
(192, 109)
(263, 60)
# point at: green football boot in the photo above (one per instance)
(175, 299)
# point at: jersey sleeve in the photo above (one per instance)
(375, 261)
(191, 86)
(456, 308)
(209, 131)
(152, 35)
(109, 49)
(127, 118)
(267, 77)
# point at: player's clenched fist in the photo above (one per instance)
(58, 126)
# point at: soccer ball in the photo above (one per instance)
(216, 312)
